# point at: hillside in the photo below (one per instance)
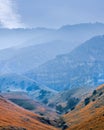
(24, 100)
(13, 117)
(14, 82)
(67, 100)
(83, 66)
(89, 114)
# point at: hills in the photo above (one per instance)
(33, 47)
(25, 101)
(66, 101)
(31, 75)
(13, 117)
(20, 60)
(14, 82)
(89, 114)
(81, 67)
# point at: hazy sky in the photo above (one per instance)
(49, 13)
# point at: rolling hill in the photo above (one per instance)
(13, 117)
(89, 114)
(14, 82)
(24, 100)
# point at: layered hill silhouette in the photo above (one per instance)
(84, 66)
(61, 72)
(89, 114)
(19, 60)
(28, 55)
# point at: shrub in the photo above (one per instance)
(100, 93)
(86, 101)
(72, 102)
(59, 108)
(94, 92)
(93, 99)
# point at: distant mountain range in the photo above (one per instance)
(76, 34)
(74, 66)
(84, 66)
(27, 55)
(20, 60)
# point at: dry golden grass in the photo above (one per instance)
(100, 87)
(23, 100)
(12, 115)
(90, 122)
(89, 117)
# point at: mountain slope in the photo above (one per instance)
(20, 60)
(24, 100)
(13, 117)
(67, 100)
(89, 114)
(84, 66)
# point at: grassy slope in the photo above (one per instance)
(12, 115)
(23, 100)
(89, 117)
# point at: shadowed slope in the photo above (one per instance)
(13, 117)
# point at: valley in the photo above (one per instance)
(88, 114)
(52, 79)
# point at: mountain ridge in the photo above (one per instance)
(80, 68)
